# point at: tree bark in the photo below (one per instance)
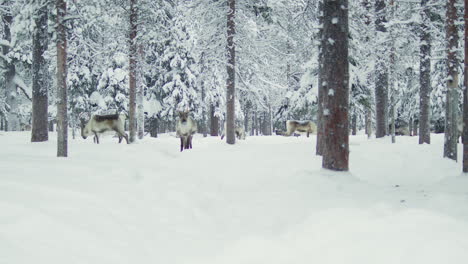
(132, 71)
(140, 96)
(368, 122)
(214, 123)
(231, 71)
(40, 102)
(62, 119)
(451, 134)
(319, 144)
(335, 72)
(381, 85)
(424, 76)
(11, 93)
(465, 96)
(354, 124)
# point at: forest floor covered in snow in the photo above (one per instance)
(265, 200)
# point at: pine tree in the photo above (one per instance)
(335, 76)
(62, 119)
(425, 76)
(132, 69)
(381, 85)
(451, 134)
(231, 71)
(465, 95)
(39, 75)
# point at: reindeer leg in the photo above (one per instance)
(97, 137)
(181, 143)
(190, 141)
(307, 133)
(119, 134)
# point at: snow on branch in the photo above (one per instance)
(23, 87)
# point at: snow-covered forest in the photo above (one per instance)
(346, 123)
(181, 57)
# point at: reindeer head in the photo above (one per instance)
(183, 116)
(84, 130)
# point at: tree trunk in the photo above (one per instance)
(368, 122)
(11, 93)
(415, 127)
(424, 76)
(231, 72)
(204, 125)
(319, 144)
(132, 71)
(153, 127)
(465, 96)
(335, 74)
(214, 120)
(410, 126)
(381, 85)
(354, 124)
(450, 144)
(62, 120)
(39, 130)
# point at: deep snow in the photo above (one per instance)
(264, 200)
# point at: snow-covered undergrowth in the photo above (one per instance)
(264, 200)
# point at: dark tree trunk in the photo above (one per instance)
(231, 71)
(368, 122)
(354, 124)
(319, 144)
(410, 126)
(465, 96)
(424, 76)
(154, 127)
(62, 119)
(214, 120)
(132, 71)
(204, 126)
(39, 130)
(415, 127)
(381, 85)
(335, 74)
(451, 134)
(11, 94)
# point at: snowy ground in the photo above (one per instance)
(265, 200)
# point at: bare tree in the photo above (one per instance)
(424, 76)
(132, 70)
(231, 71)
(335, 87)
(40, 130)
(465, 96)
(62, 120)
(450, 144)
(381, 85)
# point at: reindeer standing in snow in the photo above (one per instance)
(185, 129)
(102, 123)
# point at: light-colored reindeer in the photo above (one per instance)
(186, 127)
(102, 123)
(238, 131)
(300, 126)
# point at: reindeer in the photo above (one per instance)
(238, 130)
(300, 126)
(185, 128)
(102, 123)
